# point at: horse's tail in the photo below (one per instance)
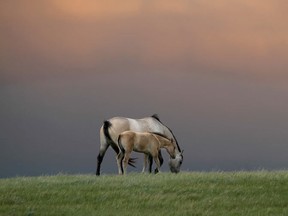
(120, 144)
(106, 126)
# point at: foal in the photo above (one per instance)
(145, 142)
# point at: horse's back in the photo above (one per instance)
(118, 125)
(145, 124)
(136, 136)
(138, 141)
(121, 124)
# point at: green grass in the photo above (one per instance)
(187, 193)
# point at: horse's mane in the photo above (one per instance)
(155, 116)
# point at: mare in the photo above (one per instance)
(148, 143)
(110, 130)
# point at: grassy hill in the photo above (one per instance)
(187, 193)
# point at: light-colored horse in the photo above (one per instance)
(145, 142)
(111, 129)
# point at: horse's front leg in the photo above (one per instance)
(160, 159)
(125, 161)
(150, 163)
(157, 161)
(145, 163)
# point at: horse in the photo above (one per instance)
(110, 130)
(148, 143)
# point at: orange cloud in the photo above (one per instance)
(169, 6)
(233, 36)
(96, 8)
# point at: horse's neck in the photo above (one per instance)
(172, 155)
(169, 150)
(169, 134)
(163, 142)
(152, 125)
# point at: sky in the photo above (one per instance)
(216, 72)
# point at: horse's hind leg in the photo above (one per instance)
(125, 161)
(120, 157)
(103, 148)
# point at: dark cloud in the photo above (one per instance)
(217, 78)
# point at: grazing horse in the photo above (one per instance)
(145, 142)
(111, 129)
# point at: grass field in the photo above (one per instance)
(187, 193)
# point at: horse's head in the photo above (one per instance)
(175, 163)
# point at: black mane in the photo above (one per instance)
(155, 116)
